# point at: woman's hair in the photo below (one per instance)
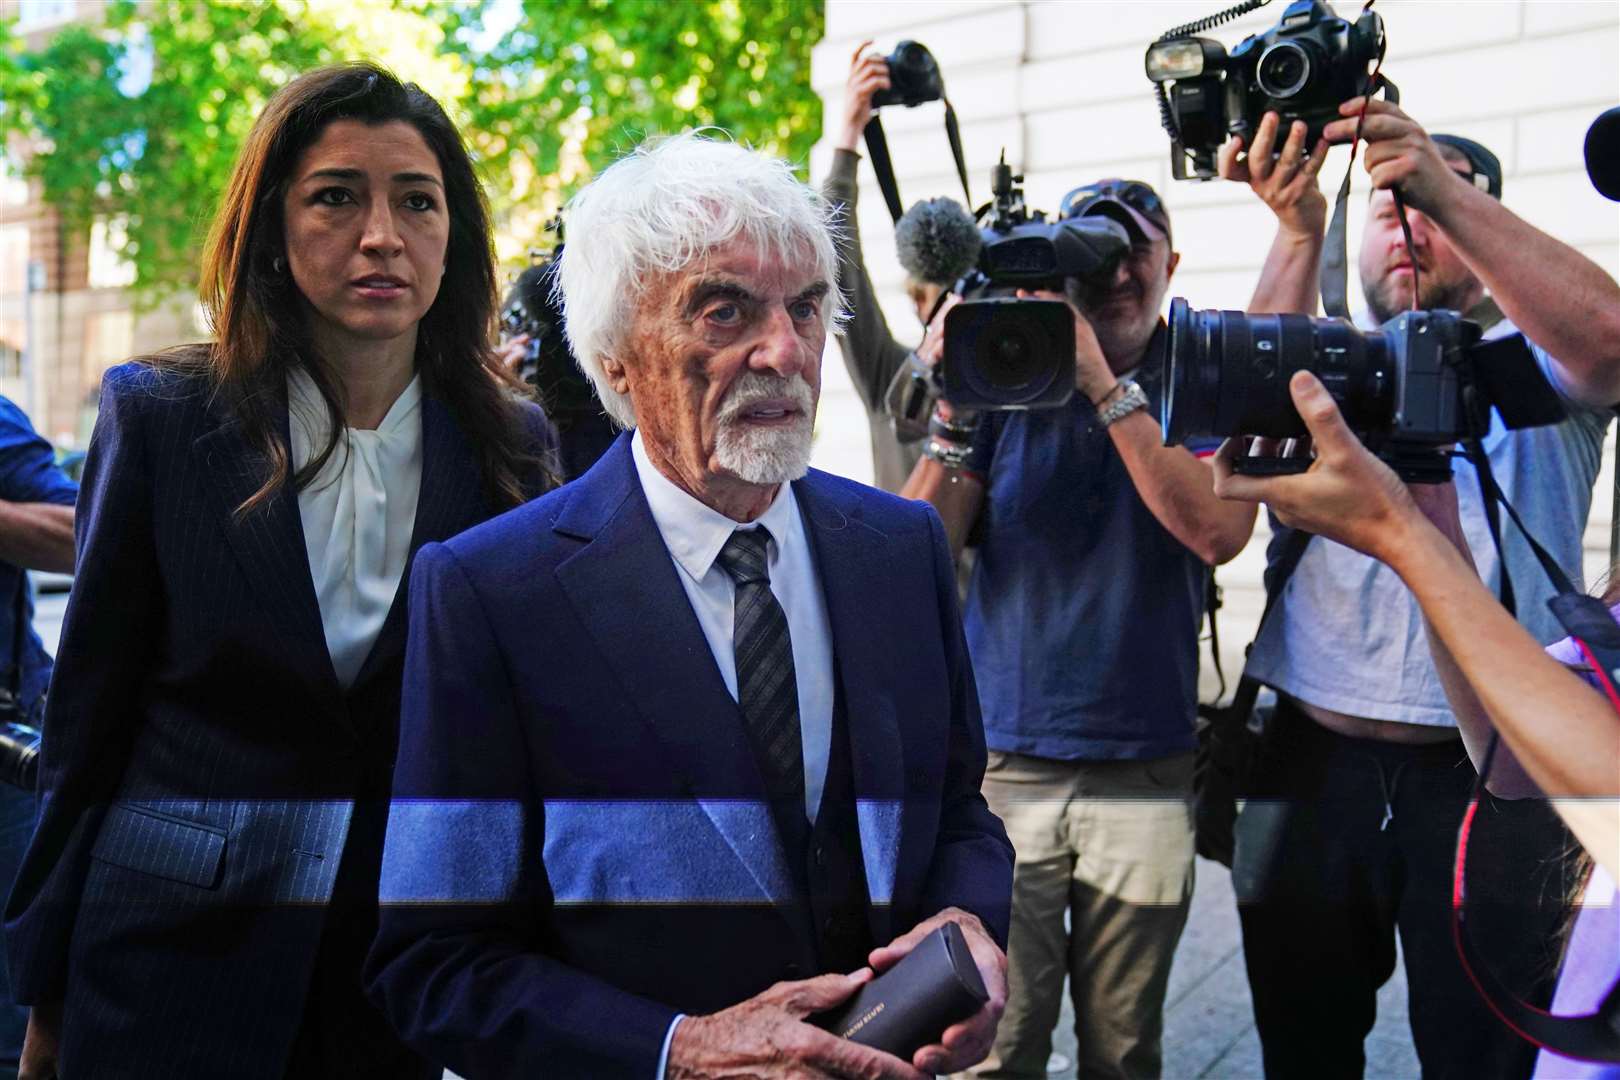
(665, 205)
(260, 320)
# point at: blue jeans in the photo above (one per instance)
(17, 809)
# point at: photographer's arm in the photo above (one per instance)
(871, 354)
(1559, 298)
(1438, 502)
(1177, 488)
(1173, 483)
(1563, 733)
(1287, 184)
(956, 495)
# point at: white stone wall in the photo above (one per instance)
(1059, 84)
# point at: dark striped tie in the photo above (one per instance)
(766, 689)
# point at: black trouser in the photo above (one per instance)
(1346, 841)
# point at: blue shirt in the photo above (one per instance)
(28, 474)
(1083, 611)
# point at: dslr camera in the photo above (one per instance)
(1303, 68)
(914, 77)
(1409, 389)
(1005, 353)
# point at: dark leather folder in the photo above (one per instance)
(911, 1004)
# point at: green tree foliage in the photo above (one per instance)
(546, 91)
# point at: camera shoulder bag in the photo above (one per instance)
(1230, 736)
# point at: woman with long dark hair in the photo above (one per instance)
(221, 731)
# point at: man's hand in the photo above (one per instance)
(968, 1042)
(1092, 375)
(867, 75)
(38, 1059)
(1347, 495)
(932, 349)
(766, 1037)
(1399, 153)
(1286, 182)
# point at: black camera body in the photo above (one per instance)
(914, 77)
(1414, 386)
(1005, 353)
(1303, 68)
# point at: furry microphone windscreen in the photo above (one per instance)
(937, 241)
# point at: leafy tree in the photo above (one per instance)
(559, 90)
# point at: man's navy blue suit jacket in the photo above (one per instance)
(578, 847)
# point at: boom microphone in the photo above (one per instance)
(1603, 154)
(937, 241)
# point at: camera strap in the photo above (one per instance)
(1593, 1036)
(877, 148)
(1276, 579)
(1333, 278)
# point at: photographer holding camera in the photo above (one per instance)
(1559, 736)
(937, 241)
(1082, 619)
(1348, 833)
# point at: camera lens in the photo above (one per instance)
(1228, 373)
(1284, 69)
(1008, 358)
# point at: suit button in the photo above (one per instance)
(821, 855)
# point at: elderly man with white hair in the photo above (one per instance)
(690, 748)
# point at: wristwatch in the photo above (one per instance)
(1129, 399)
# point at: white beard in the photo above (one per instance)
(765, 455)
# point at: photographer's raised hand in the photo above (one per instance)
(1399, 154)
(1287, 184)
(868, 73)
(1347, 495)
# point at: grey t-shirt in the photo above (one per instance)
(1348, 635)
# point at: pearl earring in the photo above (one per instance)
(279, 265)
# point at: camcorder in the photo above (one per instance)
(1303, 68)
(1409, 390)
(1002, 352)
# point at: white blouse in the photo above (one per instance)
(358, 514)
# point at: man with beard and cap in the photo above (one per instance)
(1094, 545)
(669, 781)
(1349, 834)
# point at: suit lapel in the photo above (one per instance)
(268, 543)
(852, 559)
(450, 501)
(624, 589)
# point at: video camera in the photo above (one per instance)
(1303, 68)
(1005, 353)
(1409, 389)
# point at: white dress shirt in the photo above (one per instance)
(358, 513)
(694, 534)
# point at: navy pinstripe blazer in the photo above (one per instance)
(207, 788)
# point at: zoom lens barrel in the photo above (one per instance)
(1228, 373)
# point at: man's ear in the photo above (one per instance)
(1170, 269)
(614, 370)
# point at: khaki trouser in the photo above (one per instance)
(1110, 843)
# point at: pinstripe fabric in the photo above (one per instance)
(211, 801)
(766, 690)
